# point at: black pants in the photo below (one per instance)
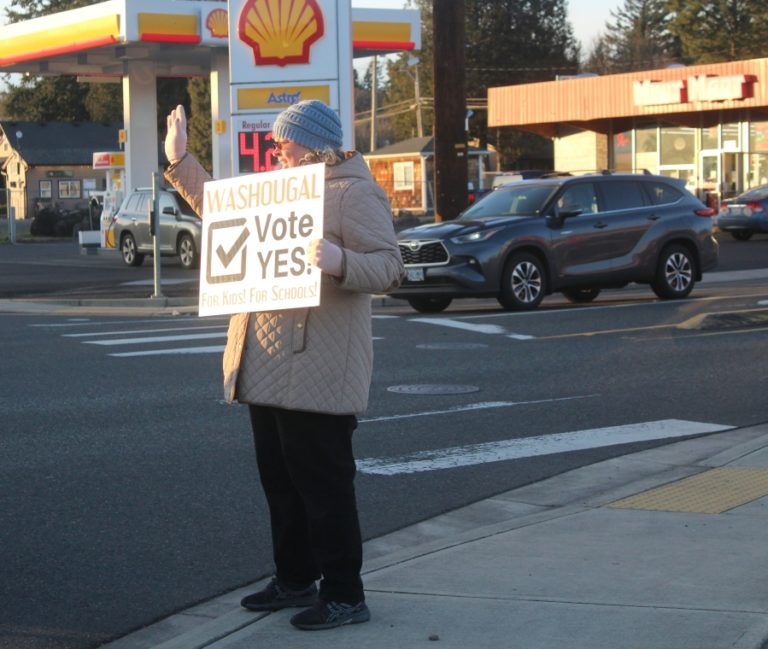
(307, 470)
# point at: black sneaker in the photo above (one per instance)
(274, 597)
(327, 615)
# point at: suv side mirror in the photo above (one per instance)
(558, 215)
(170, 210)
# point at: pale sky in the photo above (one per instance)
(588, 17)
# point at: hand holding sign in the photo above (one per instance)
(327, 256)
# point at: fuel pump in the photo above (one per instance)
(114, 164)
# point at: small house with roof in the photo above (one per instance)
(406, 171)
(52, 162)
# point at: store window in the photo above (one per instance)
(731, 139)
(69, 189)
(622, 151)
(758, 137)
(403, 172)
(758, 170)
(757, 173)
(709, 138)
(678, 145)
(647, 149)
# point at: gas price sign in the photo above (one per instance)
(254, 151)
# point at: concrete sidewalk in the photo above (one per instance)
(662, 549)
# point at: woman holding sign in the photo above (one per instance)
(305, 373)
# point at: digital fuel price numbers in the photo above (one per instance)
(254, 152)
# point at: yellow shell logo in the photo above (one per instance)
(217, 23)
(280, 32)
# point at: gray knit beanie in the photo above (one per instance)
(310, 123)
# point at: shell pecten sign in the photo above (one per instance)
(280, 32)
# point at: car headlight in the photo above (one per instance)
(477, 235)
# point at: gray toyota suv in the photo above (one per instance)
(180, 228)
(570, 234)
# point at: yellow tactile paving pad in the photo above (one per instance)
(710, 492)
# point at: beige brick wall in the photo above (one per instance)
(581, 152)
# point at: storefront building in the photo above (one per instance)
(706, 124)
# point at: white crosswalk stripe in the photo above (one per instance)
(524, 447)
(116, 334)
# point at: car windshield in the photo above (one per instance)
(756, 194)
(522, 199)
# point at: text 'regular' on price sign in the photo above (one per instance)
(256, 232)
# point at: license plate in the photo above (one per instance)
(415, 274)
(739, 211)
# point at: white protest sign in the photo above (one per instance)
(256, 231)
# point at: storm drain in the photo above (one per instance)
(433, 389)
(452, 346)
(711, 492)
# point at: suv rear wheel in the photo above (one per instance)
(128, 250)
(675, 273)
(742, 235)
(522, 282)
(187, 251)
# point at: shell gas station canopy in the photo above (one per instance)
(136, 41)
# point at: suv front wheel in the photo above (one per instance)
(187, 251)
(675, 273)
(523, 282)
(131, 256)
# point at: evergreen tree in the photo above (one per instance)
(104, 102)
(638, 37)
(507, 42)
(19, 10)
(199, 124)
(719, 30)
(47, 99)
(599, 57)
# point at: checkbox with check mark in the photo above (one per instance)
(226, 242)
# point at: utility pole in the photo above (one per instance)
(374, 87)
(450, 138)
(413, 62)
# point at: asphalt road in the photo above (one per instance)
(128, 489)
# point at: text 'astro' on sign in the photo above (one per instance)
(256, 231)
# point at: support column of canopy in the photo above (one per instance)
(140, 118)
(221, 140)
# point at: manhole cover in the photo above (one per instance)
(431, 388)
(452, 346)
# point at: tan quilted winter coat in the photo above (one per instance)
(317, 359)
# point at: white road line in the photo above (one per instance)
(483, 405)
(164, 282)
(93, 323)
(473, 454)
(521, 337)
(94, 334)
(154, 339)
(218, 349)
(466, 326)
